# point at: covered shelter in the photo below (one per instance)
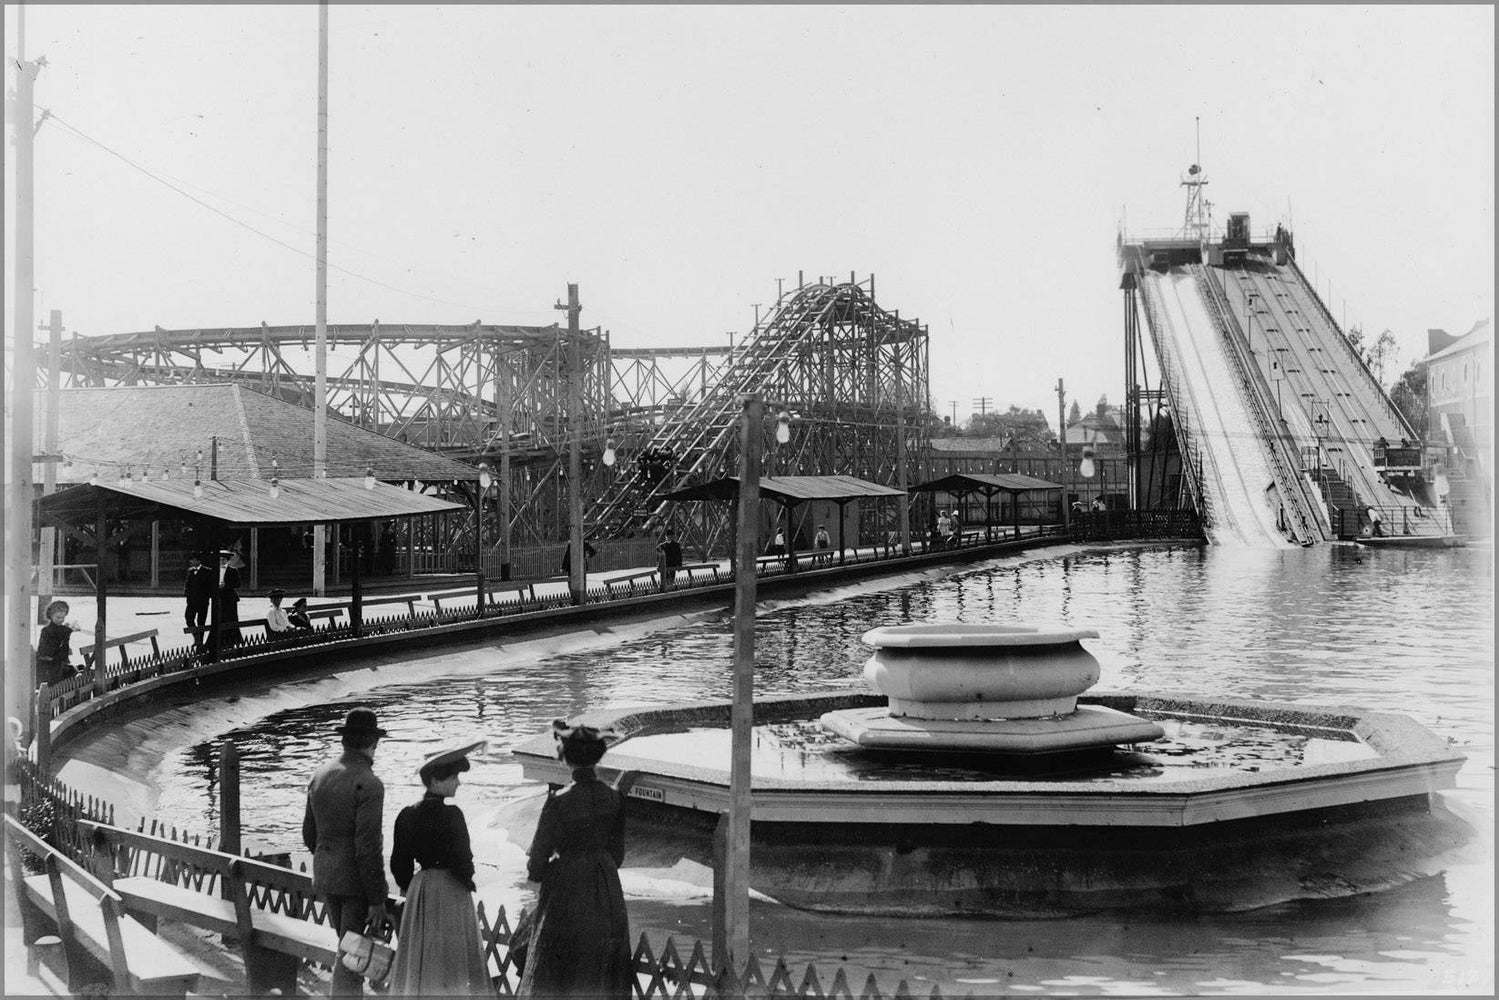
(791, 491)
(988, 485)
(225, 505)
(227, 432)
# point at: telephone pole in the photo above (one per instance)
(1062, 438)
(577, 567)
(20, 680)
(982, 404)
(320, 387)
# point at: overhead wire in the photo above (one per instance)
(246, 226)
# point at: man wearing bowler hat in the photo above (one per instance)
(343, 828)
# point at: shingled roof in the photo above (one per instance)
(161, 427)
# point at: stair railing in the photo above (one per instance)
(1186, 444)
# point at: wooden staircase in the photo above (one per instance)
(1343, 505)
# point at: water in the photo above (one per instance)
(803, 750)
(1408, 632)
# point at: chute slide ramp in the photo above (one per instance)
(1241, 503)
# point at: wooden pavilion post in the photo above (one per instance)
(100, 680)
(357, 529)
(842, 532)
(215, 603)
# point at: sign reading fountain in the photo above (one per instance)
(984, 775)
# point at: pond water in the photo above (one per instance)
(1408, 632)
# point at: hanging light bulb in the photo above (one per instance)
(783, 427)
(275, 466)
(145, 475)
(200, 456)
(484, 479)
(183, 470)
(93, 478)
(166, 474)
(198, 489)
(609, 452)
(1085, 467)
(67, 464)
(275, 487)
(124, 479)
(369, 478)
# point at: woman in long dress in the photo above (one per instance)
(580, 942)
(438, 951)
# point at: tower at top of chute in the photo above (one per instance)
(1197, 221)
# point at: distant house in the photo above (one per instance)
(1460, 397)
(1102, 429)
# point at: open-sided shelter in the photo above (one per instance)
(790, 492)
(988, 485)
(227, 505)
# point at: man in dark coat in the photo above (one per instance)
(669, 558)
(199, 593)
(343, 828)
(228, 597)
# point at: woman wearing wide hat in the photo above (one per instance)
(580, 945)
(439, 952)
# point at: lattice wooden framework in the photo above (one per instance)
(847, 370)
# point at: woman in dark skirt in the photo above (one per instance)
(580, 944)
(438, 951)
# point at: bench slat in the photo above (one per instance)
(153, 963)
(276, 931)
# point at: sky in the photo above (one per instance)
(675, 162)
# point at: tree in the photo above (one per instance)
(1378, 356)
(1409, 396)
(1074, 414)
(1028, 428)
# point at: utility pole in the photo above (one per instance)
(954, 414)
(46, 572)
(577, 579)
(320, 390)
(20, 679)
(982, 404)
(1062, 438)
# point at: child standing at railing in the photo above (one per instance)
(53, 652)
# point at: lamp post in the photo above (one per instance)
(484, 481)
(1249, 319)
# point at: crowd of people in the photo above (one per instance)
(577, 942)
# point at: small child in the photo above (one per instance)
(298, 615)
(53, 654)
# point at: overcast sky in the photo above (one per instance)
(676, 161)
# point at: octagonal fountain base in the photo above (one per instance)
(1239, 805)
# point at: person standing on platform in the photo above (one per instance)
(228, 598)
(822, 543)
(567, 557)
(668, 558)
(440, 952)
(580, 941)
(54, 652)
(342, 827)
(198, 592)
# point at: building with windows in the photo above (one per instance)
(1459, 419)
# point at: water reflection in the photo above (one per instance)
(1408, 632)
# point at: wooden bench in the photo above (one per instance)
(87, 652)
(629, 579)
(89, 917)
(378, 602)
(690, 568)
(235, 896)
(437, 597)
(330, 613)
(523, 592)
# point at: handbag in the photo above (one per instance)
(370, 958)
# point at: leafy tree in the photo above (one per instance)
(1029, 428)
(1378, 355)
(1074, 414)
(1409, 397)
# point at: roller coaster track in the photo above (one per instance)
(826, 354)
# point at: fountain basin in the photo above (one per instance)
(1209, 819)
(980, 672)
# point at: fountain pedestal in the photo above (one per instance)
(1000, 689)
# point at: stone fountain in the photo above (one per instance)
(984, 776)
